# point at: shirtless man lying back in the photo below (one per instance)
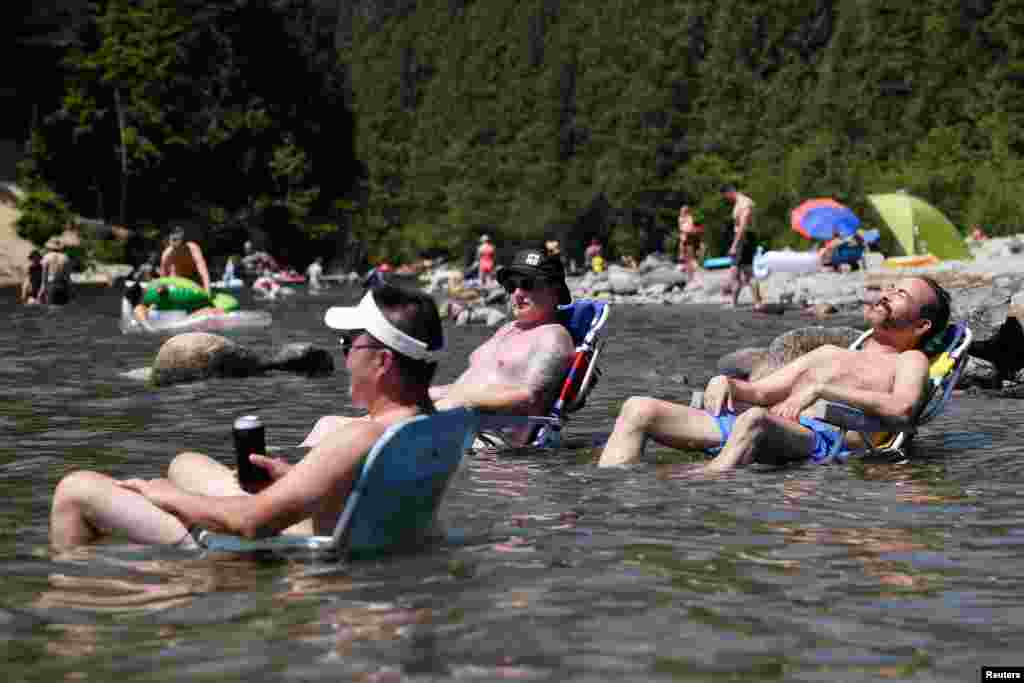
(887, 378)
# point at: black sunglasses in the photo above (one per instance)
(348, 343)
(526, 283)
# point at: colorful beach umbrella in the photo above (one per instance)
(820, 219)
(903, 213)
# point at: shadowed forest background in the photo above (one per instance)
(369, 130)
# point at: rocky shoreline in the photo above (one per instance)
(986, 291)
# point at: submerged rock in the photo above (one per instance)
(194, 356)
(979, 373)
(303, 358)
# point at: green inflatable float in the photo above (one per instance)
(181, 294)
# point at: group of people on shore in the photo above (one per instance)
(392, 342)
(48, 277)
(739, 236)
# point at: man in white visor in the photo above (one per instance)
(391, 342)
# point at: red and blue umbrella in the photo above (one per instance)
(820, 219)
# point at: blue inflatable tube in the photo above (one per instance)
(720, 262)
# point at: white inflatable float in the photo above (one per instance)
(768, 262)
(175, 322)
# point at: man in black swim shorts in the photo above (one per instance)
(741, 243)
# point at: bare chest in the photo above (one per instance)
(508, 352)
(871, 371)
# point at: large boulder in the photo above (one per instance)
(979, 374)
(488, 315)
(196, 356)
(795, 343)
(669, 276)
(623, 281)
(653, 261)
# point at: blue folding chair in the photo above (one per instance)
(948, 355)
(585, 319)
(394, 501)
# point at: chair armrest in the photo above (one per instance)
(854, 419)
(495, 421)
(236, 544)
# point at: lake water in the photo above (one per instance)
(567, 572)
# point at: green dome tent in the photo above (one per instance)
(903, 212)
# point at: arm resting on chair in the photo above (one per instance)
(494, 421)
(895, 408)
(854, 419)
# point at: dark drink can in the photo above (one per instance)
(250, 437)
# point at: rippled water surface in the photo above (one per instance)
(855, 573)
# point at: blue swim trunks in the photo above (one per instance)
(826, 438)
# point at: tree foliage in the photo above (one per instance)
(43, 215)
(537, 117)
(213, 113)
(603, 118)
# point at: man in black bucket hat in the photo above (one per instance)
(545, 268)
(521, 368)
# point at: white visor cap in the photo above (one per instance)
(366, 316)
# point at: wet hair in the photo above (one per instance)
(937, 312)
(728, 187)
(416, 314)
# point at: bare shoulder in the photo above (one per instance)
(555, 337)
(339, 451)
(914, 358)
(353, 432)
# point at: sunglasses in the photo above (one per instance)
(523, 282)
(348, 343)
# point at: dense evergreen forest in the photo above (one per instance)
(539, 117)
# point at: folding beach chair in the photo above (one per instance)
(948, 355)
(394, 500)
(585, 319)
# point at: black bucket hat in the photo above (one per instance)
(537, 263)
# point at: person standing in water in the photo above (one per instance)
(33, 283)
(185, 259)
(314, 272)
(56, 274)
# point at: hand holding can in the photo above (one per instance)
(250, 437)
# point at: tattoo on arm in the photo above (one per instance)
(545, 372)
